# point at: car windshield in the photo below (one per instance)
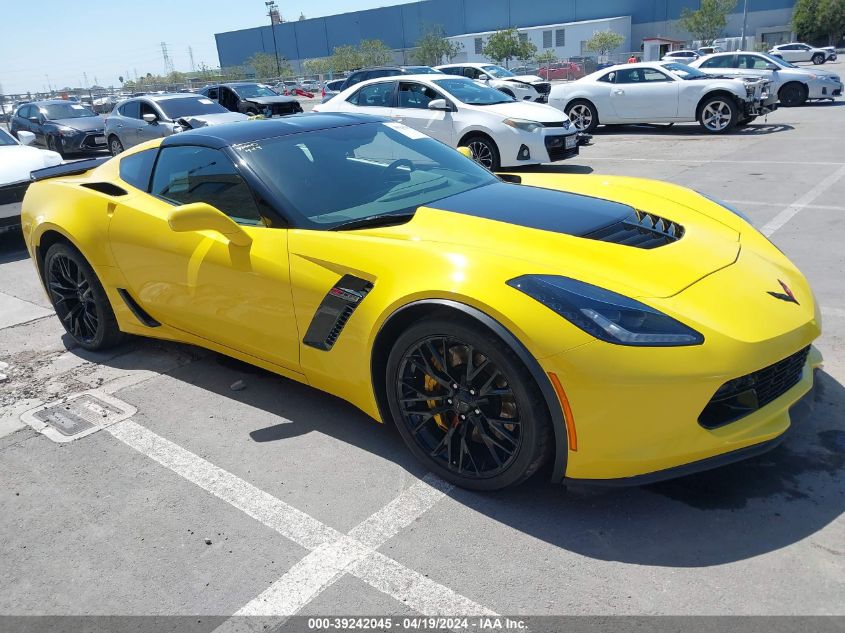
(778, 60)
(6, 138)
(378, 171)
(471, 93)
(247, 91)
(189, 106)
(497, 71)
(57, 111)
(685, 72)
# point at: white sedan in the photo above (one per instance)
(499, 131)
(662, 92)
(16, 162)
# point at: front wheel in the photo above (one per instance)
(54, 145)
(484, 152)
(466, 406)
(792, 95)
(79, 299)
(818, 58)
(583, 115)
(115, 146)
(718, 115)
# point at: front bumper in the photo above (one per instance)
(84, 142)
(535, 148)
(11, 197)
(824, 89)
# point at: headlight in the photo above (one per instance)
(606, 315)
(68, 131)
(524, 125)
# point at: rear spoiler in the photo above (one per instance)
(67, 169)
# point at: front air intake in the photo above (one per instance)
(641, 230)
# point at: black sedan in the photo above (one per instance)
(62, 126)
(252, 98)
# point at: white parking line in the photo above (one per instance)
(332, 554)
(792, 210)
(697, 162)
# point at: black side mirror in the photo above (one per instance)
(34, 119)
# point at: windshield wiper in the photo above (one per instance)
(384, 219)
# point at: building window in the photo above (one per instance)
(523, 37)
(479, 45)
(547, 39)
(560, 37)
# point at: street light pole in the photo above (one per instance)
(271, 7)
(744, 23)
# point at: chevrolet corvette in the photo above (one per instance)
(605, 329)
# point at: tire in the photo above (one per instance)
(793, 94)
(745, 122)
(54, 146)
(79, 299)
(115, 146)
(501, 438)
(484, 151)
(718, 114)
(583, 115)
(818, 59)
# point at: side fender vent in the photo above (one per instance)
(137, 310)
(106, 188)
(335, 311)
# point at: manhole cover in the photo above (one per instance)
(79, 415)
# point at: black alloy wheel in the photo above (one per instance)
(792, 95)
(484, 152)
(55, 145)
(466, 407)
(819, 58)
(79, 299)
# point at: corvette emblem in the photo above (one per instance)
(786, 295)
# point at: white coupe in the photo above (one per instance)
(16, 162)
(662, 92)
(457, 111)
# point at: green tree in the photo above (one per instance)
(346, 58)
(708, 21)
(374, 53)
(817, 20)
(505, 45)
(433, 47)
(319, 66)
(603, 42)
(264, 65)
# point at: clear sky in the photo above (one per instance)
(59, 40)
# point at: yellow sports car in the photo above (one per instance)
(616, 330)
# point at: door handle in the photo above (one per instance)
(619, 92)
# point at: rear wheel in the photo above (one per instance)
(718, 114)
(792, 94)
(583, 115)
(79, 299)
(115, 146)
(466, 406)
(484, 151)
(818, 58)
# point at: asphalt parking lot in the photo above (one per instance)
(219, 489)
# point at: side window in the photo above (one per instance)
(24, 112)
(653, 75)
(131, 109)
(147, 108)
(753, 62)
(414, 95)
(378, 95)
(212, 93)
(135, 169)
(385, 72)
(608, 78)
(354, 78)
(629, 76)
(722, 61)
(454, 70)
(188, 174)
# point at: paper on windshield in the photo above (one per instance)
(77, 107)
(206, 101)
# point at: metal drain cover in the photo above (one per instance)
(78, 416)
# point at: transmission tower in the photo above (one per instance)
(168, 63)
(191, 55)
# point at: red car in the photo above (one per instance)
(561, 70)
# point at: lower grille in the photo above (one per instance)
(90, 140)
(746, 394)
(543, 88)
(286, 108)
(556, 147)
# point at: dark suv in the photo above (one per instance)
(385, 71)
(251, 98)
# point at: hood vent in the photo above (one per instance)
(641, 230)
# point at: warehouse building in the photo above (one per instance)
(401, 26)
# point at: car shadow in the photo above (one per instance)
(12, 247)
(692, 130)
(725, 515)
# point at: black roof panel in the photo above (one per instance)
(229, 134)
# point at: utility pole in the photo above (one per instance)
(191, 55)
(744, 23)
(275, 18)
